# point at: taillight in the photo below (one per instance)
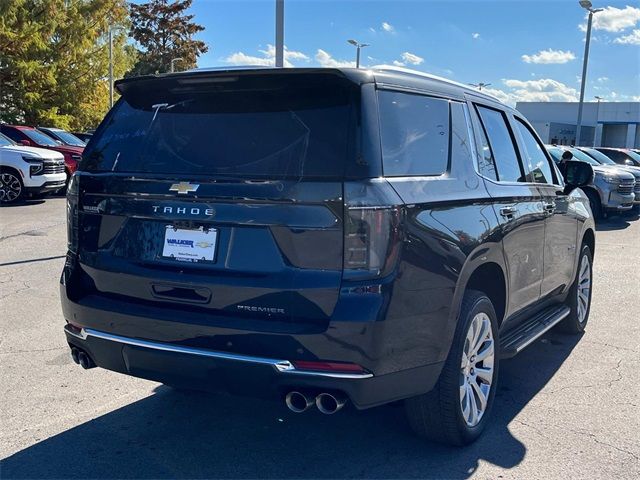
(371, 229)
(335, 367)
(72, 213)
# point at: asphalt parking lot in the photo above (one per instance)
(567, 406)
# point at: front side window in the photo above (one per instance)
(415, 134)
(533, 155)
(501, 143)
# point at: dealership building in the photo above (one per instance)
(604, 124)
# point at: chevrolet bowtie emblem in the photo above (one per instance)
(184, 187)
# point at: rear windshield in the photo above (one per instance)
(298, 131)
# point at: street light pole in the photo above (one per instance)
(111, 29)
(110, 67)
(597, 117)
(587, 5)
(480, 85)
(279, 33)
(358, 46)
(173, 62)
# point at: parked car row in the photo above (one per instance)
(615, 186)
(36, 160)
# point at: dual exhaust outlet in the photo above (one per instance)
(327, 403)
(81, 358)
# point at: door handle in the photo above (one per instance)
(549, 207)
(508, 211)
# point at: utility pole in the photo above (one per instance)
(587, 5)
(279, 33)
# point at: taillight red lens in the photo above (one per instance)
(335, 367)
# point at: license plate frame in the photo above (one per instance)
(191, 245)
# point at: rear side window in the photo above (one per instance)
(293, 132)
(415, 134)
(537, 161)
(501, 144)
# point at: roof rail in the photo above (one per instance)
(430, 76)
(230, 67)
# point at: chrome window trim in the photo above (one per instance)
(281, 366)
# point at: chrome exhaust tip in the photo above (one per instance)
(298, 402)
(329, 403)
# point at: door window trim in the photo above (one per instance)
(521, 146)
(505, 115)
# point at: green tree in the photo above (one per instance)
(164, 32)
(54, 60)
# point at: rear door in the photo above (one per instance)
(222, 201)
(518, 206)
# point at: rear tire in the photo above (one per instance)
(11, 187)
(456, 411)
(579, 297)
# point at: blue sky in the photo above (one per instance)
(526, 50)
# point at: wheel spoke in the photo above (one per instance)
(474, 406)
(485, 374)
(485, 352)
(482, 398)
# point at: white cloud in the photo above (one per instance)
(602, 79)
(412, 58)
(398, 63)
(268, 58)
(632, 39)
(326, 60)
(501, 95)
(542, 90)
(549, 56)
(387, 27)
(372, 30)
(613, 19)
(475, 35)
(636, 98)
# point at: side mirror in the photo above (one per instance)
(628, 162)
(577, 174)
(26, 143)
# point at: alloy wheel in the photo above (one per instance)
(10, 187)
(476, 369)
(584, 288)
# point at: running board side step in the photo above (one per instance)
(516, 340)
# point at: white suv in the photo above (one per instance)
(28, 170)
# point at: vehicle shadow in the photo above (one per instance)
(178, 435)
(26, 202)
(618, 222)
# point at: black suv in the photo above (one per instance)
(325, 236)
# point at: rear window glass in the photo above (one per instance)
(283, 132)
(415, 134)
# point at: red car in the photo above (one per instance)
(32, 137)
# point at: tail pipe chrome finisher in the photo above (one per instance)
(330, 403)
(298, 402)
